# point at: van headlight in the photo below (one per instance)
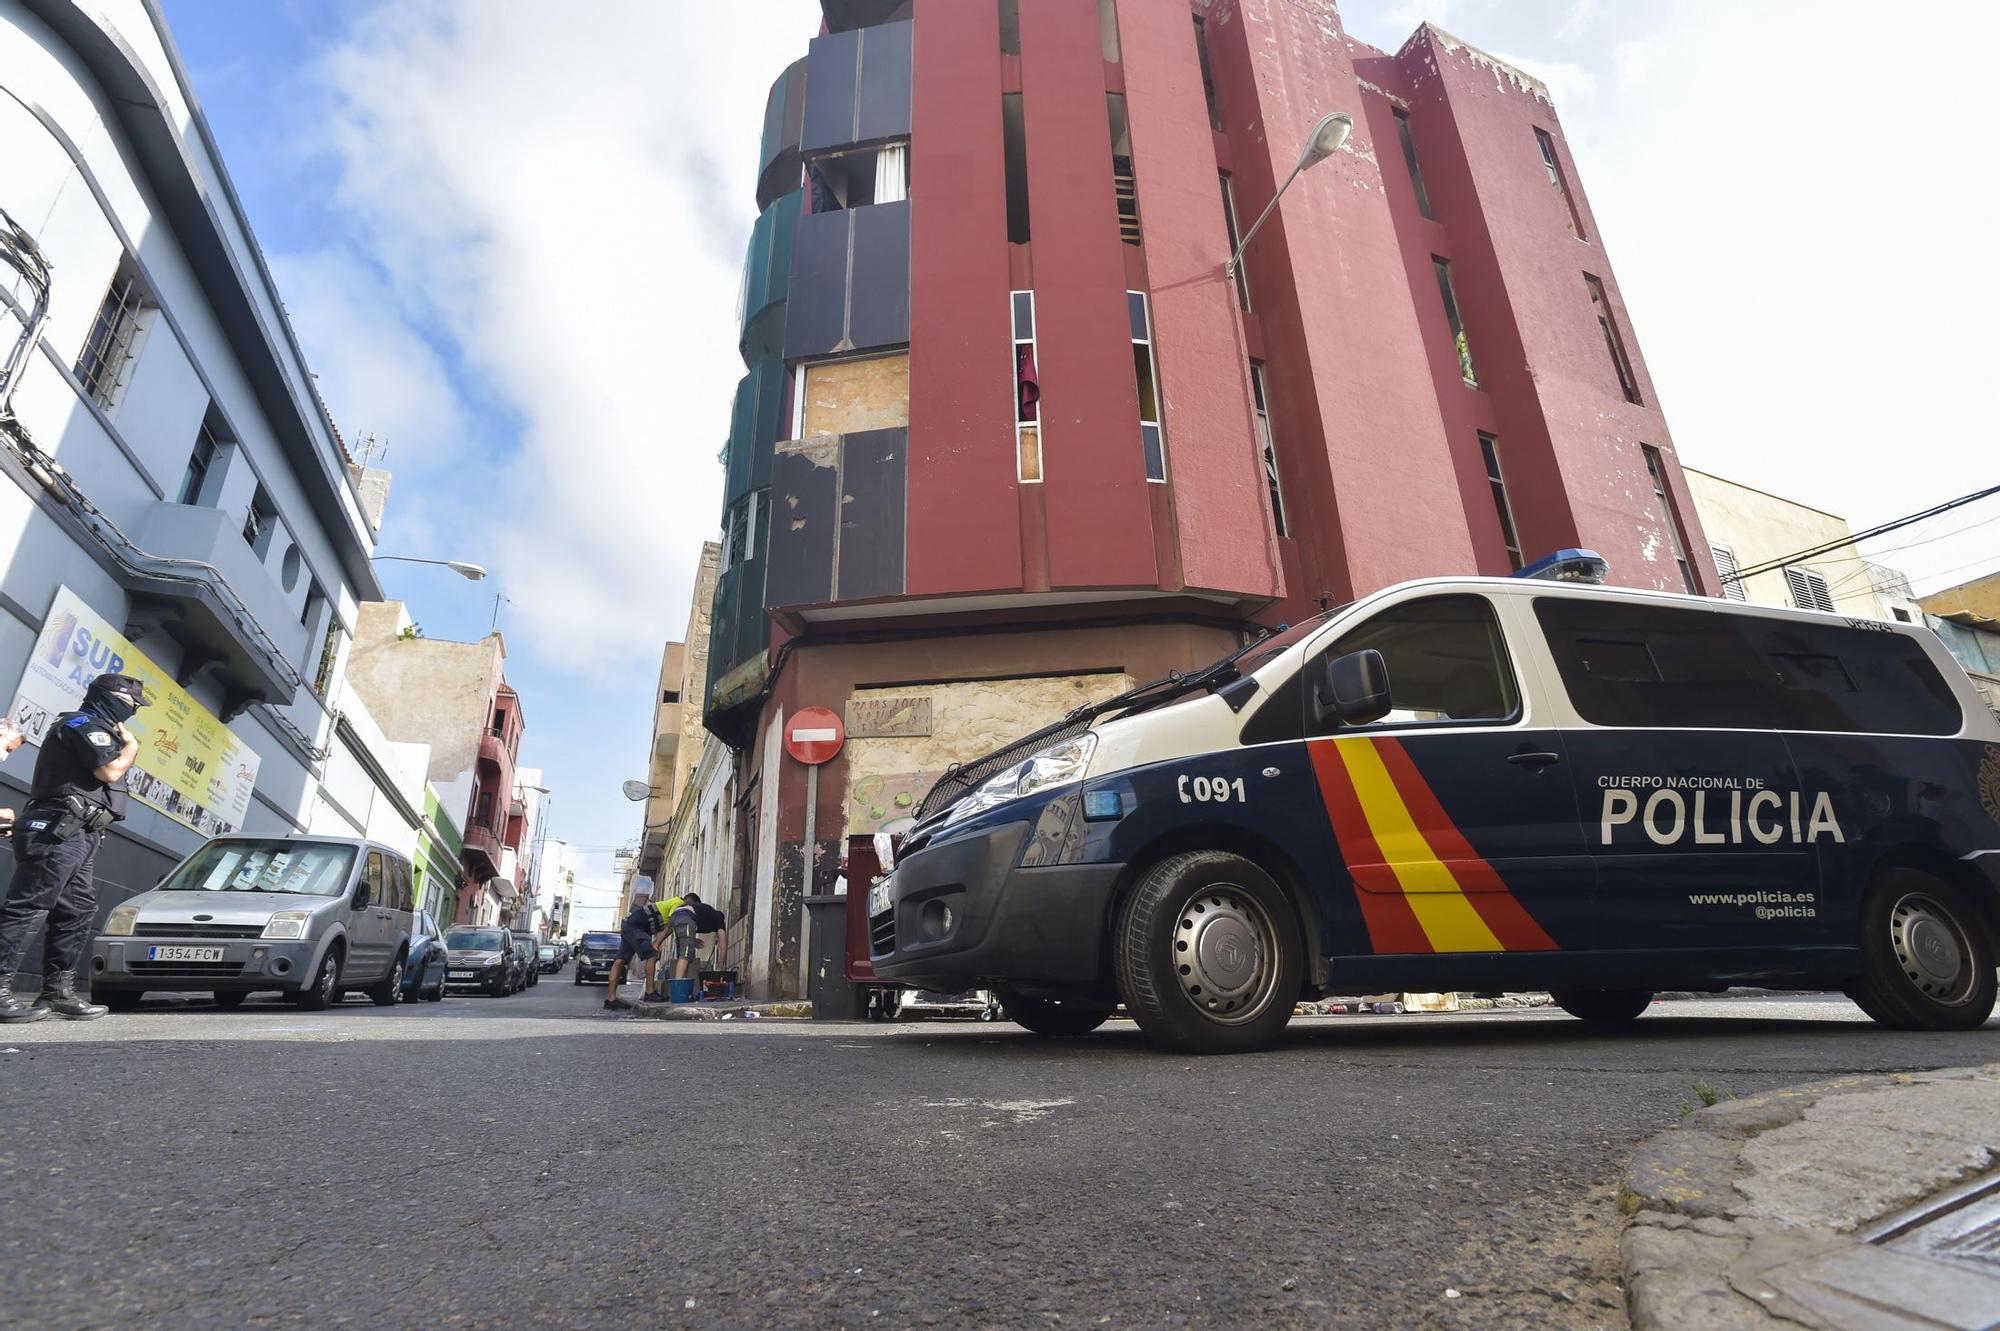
(119, 923)
(288, 924)
(1046, 769)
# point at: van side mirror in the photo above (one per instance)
(1352, 689)
(361, 896)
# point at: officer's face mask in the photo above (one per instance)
(114, 706)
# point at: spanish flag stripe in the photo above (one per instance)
(1440, 905)
(1508, 919)
(1385, 912)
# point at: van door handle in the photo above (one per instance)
(1528, 758)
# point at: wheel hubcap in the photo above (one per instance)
(1931, 948)
(1225, 954)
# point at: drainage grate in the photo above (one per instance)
(1961, 1225)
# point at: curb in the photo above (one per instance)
(734, 1010)
(1761, 1212)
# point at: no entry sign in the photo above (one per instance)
(813, 735)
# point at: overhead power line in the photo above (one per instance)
(1772, 565)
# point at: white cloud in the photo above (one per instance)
(1577, 21)
(563, 192)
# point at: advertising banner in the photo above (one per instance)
(191, 767)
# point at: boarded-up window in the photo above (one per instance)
(848, 396)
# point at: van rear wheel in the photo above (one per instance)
(1927, 961)
(1604, 1007)
(1208, 955)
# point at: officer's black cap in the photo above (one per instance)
(130, 686)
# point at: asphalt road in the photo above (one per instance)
(531, 1161)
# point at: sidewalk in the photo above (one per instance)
(1866, 1202)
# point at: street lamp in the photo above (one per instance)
(471, 572)
(1325, 141)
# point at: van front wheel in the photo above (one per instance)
(1208, 955)
(1927, 962)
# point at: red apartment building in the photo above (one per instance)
(1010, 437)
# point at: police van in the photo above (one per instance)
(1478, 783)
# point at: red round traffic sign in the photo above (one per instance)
(813, 735)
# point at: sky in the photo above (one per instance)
(510, 235)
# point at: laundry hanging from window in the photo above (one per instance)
(1028, 386)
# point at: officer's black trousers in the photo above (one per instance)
(56, 877)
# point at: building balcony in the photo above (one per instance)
(494, 753)
(857, 87)
(842, 15)
(737, 666)
(850, 282)
(767, 277)
(757, 422)
(196, 581)
(784, 117)
(482, 849)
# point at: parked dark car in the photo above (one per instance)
(480, 956)
(550, 957)
(527, 973)
(594, 954)
(424, 976)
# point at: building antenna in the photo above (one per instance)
(370, 448)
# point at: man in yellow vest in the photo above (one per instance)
(640, 935)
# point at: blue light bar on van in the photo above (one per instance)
(1568, 566)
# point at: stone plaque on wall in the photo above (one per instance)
(888, 718)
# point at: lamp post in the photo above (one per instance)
(470, 572)
(1324, 142)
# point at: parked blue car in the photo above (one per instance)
(424, 976)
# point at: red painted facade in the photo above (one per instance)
(1094, 569)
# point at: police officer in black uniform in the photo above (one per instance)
(73, 799)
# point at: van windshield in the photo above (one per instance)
(608, 942)
(300, 867)
(475, 940)
(1265, 650)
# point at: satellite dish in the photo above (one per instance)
(636, 790)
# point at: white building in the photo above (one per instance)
(174, 493)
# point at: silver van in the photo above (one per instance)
(308, 917)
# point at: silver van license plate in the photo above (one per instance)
(183, 954)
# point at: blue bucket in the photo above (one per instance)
(680, 991)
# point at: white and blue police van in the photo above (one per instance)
(1478, 784)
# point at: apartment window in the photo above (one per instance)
(1149, 386)
(1410, 160)
(670, 696)
(482, 811)
(329, 655)
(1010, 27)
(1553, 165)
(104, 366)
(499, 724)
(1489, 450)
(1726, 566)
(1229, 224)
(857, 179)
(1123, 183)
(1809, 589)
(1460, 348)
(260, 522)
(315, 598)
(201, 462)
(1261, 397)
(1207, 72)
(1902, 615)
(1658, 472)
(1107, 31)
(1014, 137)
(1027, 391)
(1614, 342)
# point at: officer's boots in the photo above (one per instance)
(59, 997)
(11, 1006)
